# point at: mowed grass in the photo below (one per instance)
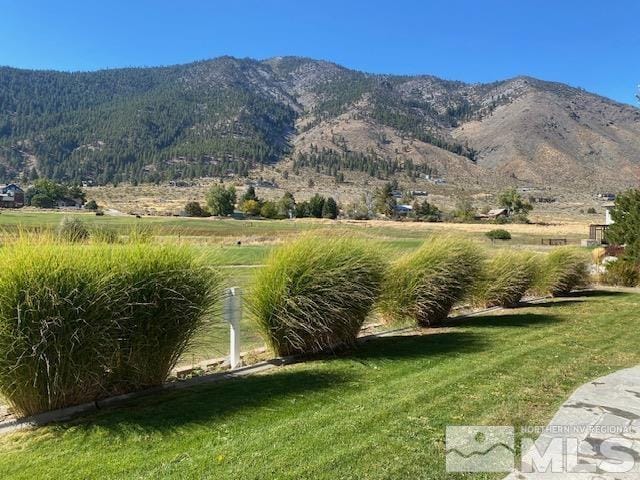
(379, 411)
(268, 231)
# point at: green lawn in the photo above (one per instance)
(377, 412)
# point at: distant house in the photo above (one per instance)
(498, 212)
(608, 197)
(598, 232)
(70, 202)
(402, 209)
(494, 213)
(179, 183)
(434, 180)
(11, 196)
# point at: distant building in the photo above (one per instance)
(11, 196)
(402, 209)
(494, 213)
(434, 180)
(179, 183)
(544, 199)
(607, 213)
(70, 202)
(598, 232)
(608, 197)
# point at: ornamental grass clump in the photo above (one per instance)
(505, 279)
(314, 294)
(423, 286)
(163, 296)
(563, 270)
(72, 229)
(55, 338)
(80, 322)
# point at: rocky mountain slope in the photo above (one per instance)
(227, 116)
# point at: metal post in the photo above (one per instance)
(233, 314)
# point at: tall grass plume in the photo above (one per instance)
(505, 279)
(424, 285)
(315, 293)
(80, 321)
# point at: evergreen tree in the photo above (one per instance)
(626, 227)
(425, 211)
(287, 205)
(250, 194)
(384, 201)
(302, 210)
(330, 209)
(316, 204)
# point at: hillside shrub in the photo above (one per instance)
(314, 294)
(41, 200)
(269, 209)
(424, 285)
(72, 229)
(194, 209)
(498, 234)
(250, 207)
(624, 272)
(563, 270)
(81, 322)
(505, 279)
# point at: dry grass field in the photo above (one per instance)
(147, 199)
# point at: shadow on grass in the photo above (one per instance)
(169, 410)
(596, 293)
(556, 302)
(416, 346)
(504, 321)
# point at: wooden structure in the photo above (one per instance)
(11, 196)
(553, 241)
(598, 233)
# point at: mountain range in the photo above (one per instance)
(228, 116)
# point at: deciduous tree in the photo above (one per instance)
(221, 201)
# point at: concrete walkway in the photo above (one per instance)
(594, 435)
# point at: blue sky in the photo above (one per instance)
(591, 44)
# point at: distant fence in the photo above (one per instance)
(553, 241)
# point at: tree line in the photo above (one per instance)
(223, 201)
